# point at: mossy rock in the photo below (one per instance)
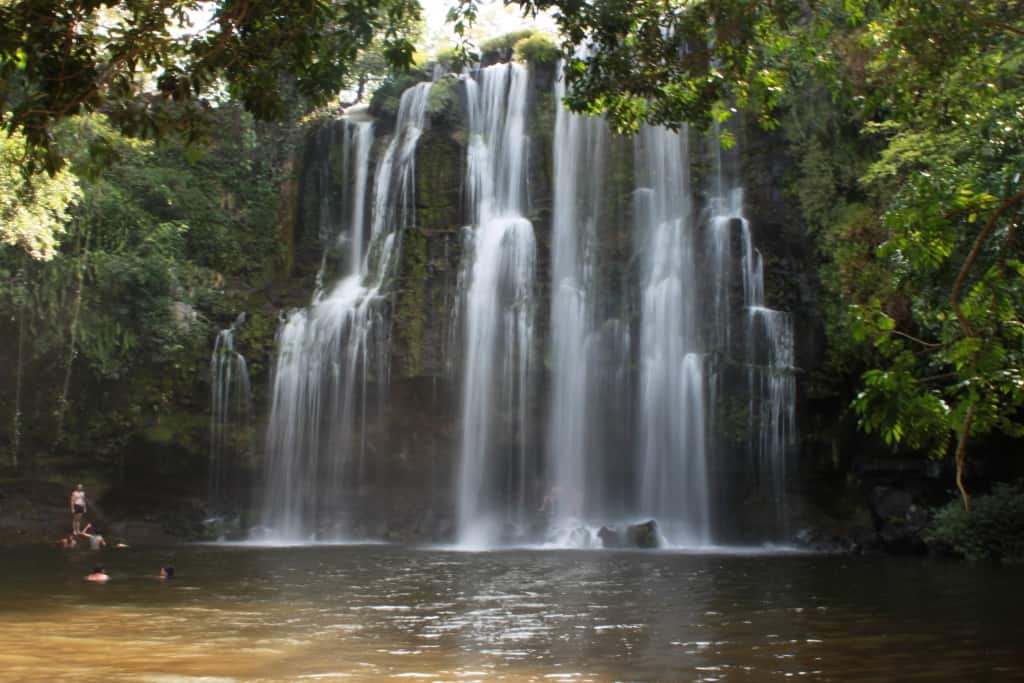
(410, 313)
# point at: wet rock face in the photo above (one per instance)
(643, 535)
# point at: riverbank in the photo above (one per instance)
(35, 511)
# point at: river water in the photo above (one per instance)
(368, 613)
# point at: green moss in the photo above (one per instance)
(437, 190)
(410, 312)
(444, 96)
(542, 123)
(256, 338)
(184, 430)
(538, 48)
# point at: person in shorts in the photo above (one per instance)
(78, 509)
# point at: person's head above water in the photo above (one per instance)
(167, 572)
(97, 574)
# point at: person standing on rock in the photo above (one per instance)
(78, 509)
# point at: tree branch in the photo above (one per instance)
(972, 257)
(922, 342)
(961, 456)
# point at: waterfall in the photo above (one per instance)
(698, 308)
(231, 408)
(671, 383)
(333, 353)
(762, 341)
(498, 310)
(672, 426)
(578, 337)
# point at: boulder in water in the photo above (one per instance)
(610, 538)
(643, 535)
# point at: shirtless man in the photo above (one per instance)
(98, 575)
(96, 540)
(78, 508)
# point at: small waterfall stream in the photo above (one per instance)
(231, 413)
(672, 440)
(330, 352)
(499, 310)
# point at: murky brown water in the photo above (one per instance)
(375, 612)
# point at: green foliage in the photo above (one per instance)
(389, 95)
(444, 96)
(992, 530)
(64, 57)
(33, 212)
(909, 157)
(159, 253)
(538, 49)
(506, 41)
(668, 63)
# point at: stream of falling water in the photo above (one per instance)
(499, 310)
(230, 419)
(330, 352)
(699, 307)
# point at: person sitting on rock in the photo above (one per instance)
(96, 540)
(98, 575)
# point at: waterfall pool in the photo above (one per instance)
(369, 613)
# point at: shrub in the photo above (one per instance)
(992, 530)
(506, 41)
(388, 96)
(444, 96)
(537, 49)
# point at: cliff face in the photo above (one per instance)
(413, 440)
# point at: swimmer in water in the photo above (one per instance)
(98, 575)
(167, 572)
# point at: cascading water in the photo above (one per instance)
(763, 344)
(231, 412)
(589, 352)
(331, 352)
(660, 342)
(498, 310)
(699, 307)
(672, 425)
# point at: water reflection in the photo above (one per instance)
(372, 613)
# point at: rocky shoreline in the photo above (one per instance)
(35, 512)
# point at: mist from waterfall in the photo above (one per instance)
(498, 316)
(230, 414)
(330, 354)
